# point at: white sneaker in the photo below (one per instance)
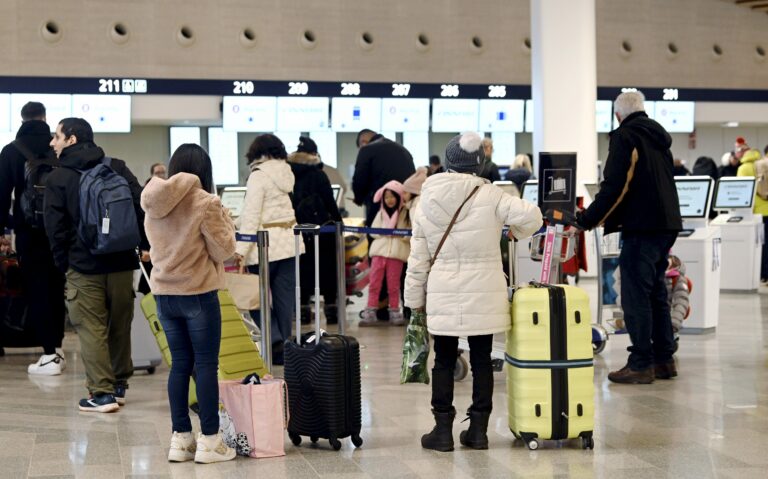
(212, 449)
(47, 365)
(63, 363)
(183, 447)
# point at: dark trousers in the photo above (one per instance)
(764, 260)
(446, 353)
(43, 291)
(643, 262)
(282, 284)
(192, 327)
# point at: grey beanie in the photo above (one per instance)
(464, 153)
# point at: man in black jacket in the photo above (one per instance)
(99, 287)
(638, 197)
(42, 283)
(379, 160)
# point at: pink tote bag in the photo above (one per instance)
(254, 417)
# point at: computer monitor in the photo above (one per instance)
(337, 192)
(508, 187)
(233, 198)
(734, 193)
(695, 195)
(503, 171)
(531, 191)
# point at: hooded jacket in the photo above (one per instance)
(191, 235)
(747, 168)
(36, 136)
(638, 191)
(678, 296)
(268, 207)
(62, 213)
(312, 198)
(395, 247)
(465, 291)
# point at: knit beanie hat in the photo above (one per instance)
(464, 153)
(414, 182)
(307, 145)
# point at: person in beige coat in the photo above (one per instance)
(464, 291)
(191, 235)
(268, 207)
(388, 254)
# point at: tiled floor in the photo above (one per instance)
(710, 422)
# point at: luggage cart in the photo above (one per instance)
(606, 246)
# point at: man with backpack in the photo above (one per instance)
(25, 164)
(94, 221)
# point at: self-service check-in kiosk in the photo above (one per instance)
(527, 269)
(698, 247)
(742, 233)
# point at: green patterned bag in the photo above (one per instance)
(415, 350)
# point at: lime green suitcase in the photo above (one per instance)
(238, 354)
(550, 369)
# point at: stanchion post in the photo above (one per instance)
(265, 310)
(341, 282)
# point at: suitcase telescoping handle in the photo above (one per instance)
(314, 230)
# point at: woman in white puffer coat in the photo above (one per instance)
(268, 207)
(463, 288)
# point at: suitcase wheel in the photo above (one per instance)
(461, 369)
(314, 439)
(357, 440)
(587, 442)
(533, 444)
(335, 444)
(151, 370)
(295, 438)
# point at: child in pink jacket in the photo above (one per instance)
(388, 254)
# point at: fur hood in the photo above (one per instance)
(301, 158)
(160, 196)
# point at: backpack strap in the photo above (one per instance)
(24, 150)
(450, 225)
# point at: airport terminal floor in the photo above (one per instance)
(711, 421)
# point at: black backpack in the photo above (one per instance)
(36, 171)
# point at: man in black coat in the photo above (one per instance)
(99, 287)
(379, 160)
(42, 283)
(638, 197)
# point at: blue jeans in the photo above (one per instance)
(282, 283)
(192, 327)
(643, 262)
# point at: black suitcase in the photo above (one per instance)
(322, 374)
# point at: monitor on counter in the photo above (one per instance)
(531, 191)
(734, 193)
(508, 187)
(695, 195)
(503, 171)
(233, 198)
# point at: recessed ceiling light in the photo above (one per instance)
(731, 124)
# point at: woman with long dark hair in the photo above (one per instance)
(191, 236)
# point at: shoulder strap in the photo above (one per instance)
(450, 225)
(24, 150)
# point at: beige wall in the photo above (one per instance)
(85, 47)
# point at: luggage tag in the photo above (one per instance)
(105, 226)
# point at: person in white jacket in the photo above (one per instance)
(268, 207)
(462, 286)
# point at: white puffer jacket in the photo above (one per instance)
(465, 292)
(267, 202)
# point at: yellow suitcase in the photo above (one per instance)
(550, 365)
(238, 354)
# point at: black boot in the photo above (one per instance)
(441, 437)
(331, 314)
(476, 436)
